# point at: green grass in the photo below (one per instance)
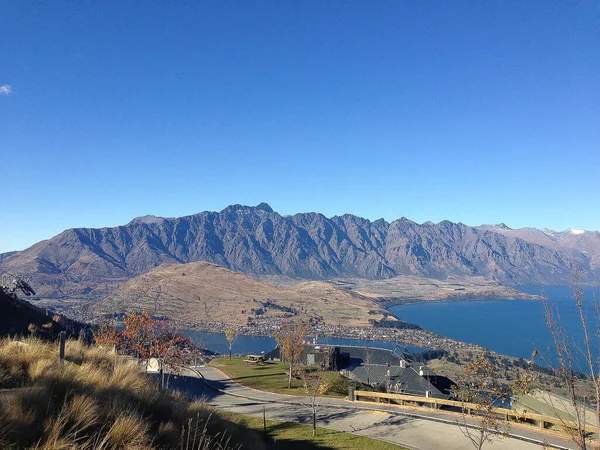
(291, 436)
(272, 377)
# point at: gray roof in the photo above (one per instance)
(407, 379)
(377, 355)
(358, 355)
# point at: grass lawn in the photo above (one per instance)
(272, 377)
(291, 436)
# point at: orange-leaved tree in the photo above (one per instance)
(136, 337)
(106, 335)
(168, 347)
(148, 337)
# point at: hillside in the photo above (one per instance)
(99, 401)
(87, 263)
(201, 291)
(16, 315)
(19, 318)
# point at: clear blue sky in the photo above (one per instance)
(479, 112)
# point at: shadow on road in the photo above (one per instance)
(196, 389)
(192, 387)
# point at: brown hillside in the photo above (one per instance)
(201, 291)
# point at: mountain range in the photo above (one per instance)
(89, 263)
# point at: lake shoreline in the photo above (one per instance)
(414, 337)
(407, 301)
(514, 328)
(508, 294)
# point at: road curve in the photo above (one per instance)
(412, 429)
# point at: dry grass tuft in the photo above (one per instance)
(39, 369)
(97, 401)
(128, 431)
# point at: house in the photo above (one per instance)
(376, 367)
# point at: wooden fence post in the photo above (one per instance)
(62, 336)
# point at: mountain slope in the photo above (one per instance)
(201, 291)
(90, 263)
(571, 242)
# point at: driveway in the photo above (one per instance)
(412, 429)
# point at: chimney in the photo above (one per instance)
(402, 364)
(421, 372)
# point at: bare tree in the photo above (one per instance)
(481, 393)
(368, 360)
(291, 339)
(312, 387)
(230, 334)
(573, 377)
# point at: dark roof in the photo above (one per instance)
(382, 356)
(408, 379)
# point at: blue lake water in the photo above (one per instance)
(245, 344)
(508, 327)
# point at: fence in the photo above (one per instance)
(510, 415)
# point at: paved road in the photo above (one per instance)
(413, 429)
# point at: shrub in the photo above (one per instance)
(333, 383)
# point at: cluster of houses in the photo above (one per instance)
(377, 367)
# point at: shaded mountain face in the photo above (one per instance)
(89, 263)
(20, 318)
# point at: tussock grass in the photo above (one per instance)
(96, 401)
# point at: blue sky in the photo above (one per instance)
(479, 112)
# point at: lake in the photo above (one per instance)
(245, 344)
(508, 327)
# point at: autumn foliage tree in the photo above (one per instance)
(136, 337)
(168, 347)
(106, 335)
(147, 337)
(291, 341)
(230, 334)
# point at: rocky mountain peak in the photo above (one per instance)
(246, 208)
(257, 241)
(500, 226)
(264, 207)
(147, 219)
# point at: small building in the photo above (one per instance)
(376, 367)
(325, 356)
(395, 379)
